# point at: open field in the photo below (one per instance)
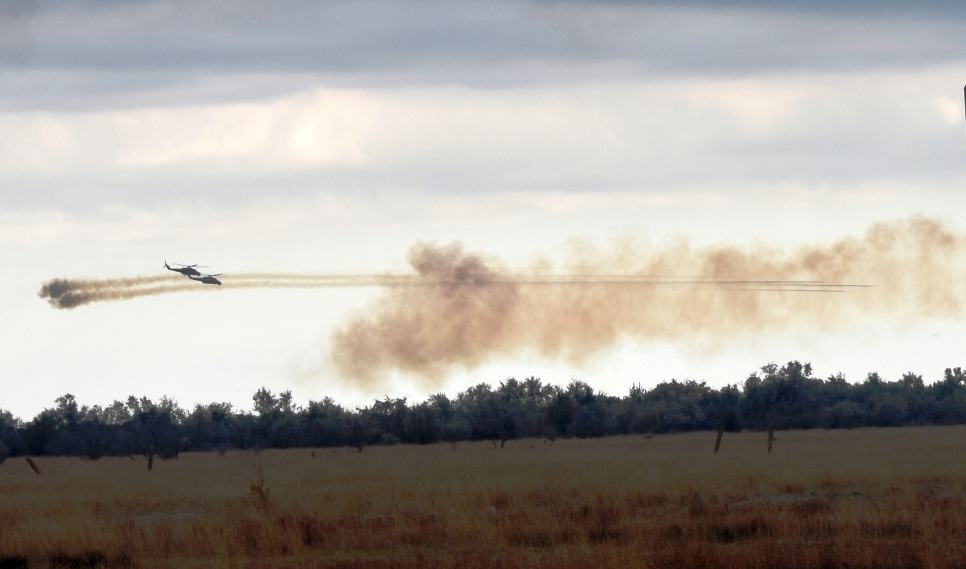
(865, 498)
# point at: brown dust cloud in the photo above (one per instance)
(459, 309)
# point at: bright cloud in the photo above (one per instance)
(653, 135)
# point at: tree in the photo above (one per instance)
(209, 427)
(784, 398)
(389, 418)
(325, 423)
(560, 413)
(359, 429)
(773, 397)
(422, 424)
(10, 427)
(155, 428)
(266, 404)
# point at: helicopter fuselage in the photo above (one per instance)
(207, 279)
(186, 271)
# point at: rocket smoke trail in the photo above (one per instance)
(460, 309)
(70, 293)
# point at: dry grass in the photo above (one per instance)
(870, 498)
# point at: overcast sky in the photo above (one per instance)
(316, 136)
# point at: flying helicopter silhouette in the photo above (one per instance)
(186, 270)
(206, 279)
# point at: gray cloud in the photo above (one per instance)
(75, 54)
(840, 126)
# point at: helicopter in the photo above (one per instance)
(206, 279)
(186, 270)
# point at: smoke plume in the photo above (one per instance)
(910, 270)
(459, 309)
(70, 293)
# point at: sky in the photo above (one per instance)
(333, 136)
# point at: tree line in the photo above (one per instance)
(786, 397)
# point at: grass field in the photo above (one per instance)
(866, 498)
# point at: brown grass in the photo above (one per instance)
(862, 499)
